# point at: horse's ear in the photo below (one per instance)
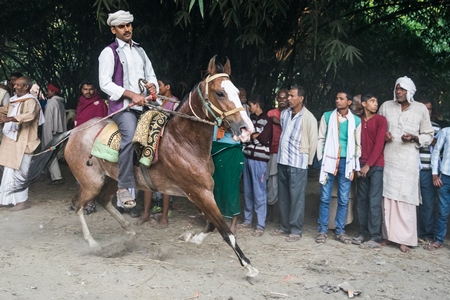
(212, 66)
(227, 67)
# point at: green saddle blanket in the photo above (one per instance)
(145, 141)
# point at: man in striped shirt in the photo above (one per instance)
(441, 181)
(257, 154)
(298, 143)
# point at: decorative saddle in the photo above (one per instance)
(145, 141)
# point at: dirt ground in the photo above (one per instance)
(43, 256)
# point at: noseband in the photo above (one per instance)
(218, 115)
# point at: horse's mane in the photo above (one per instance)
(185, 98)
(219, 69)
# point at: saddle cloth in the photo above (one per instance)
(145, 141)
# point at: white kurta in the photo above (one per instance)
(55, 119)
(401, 168)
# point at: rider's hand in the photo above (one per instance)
(138, 99)
(151, 88)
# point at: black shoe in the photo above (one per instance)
(56, 182)
(121, 210)
(134, 213)
(89, 209)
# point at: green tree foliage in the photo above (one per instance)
(361, 46)
(51, 41)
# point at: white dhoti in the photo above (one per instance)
(399, 222)
(9, 181)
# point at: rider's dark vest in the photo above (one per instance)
(118, 77)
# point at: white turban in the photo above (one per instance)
(35, 90)
(407, 84)
(119, 17)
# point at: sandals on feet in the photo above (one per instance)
(433, 246)
(244, 226)
(258, 232)
(370, 245)
(358, 240)
(343, 238)
(321, 238)
(278, 232)
(293, 238)
(126, 199)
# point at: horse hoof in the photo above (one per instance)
(93, 244)
(199, 238)
(252, 272)
(186, 236)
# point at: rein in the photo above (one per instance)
(205, 100)
(141, 83)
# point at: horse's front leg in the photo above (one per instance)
(204, 200)
(118, 216)
(86, 234)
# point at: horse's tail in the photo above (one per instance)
(40, 162)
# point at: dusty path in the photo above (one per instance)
(43, 256)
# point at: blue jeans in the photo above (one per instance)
(426, 209)
(325, 199)
(254, 174)
(443, 210)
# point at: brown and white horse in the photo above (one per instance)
(184, 166)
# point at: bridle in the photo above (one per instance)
(217, 114)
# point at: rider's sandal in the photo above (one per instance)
(125, 198)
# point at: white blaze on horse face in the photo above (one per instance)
(233, 95)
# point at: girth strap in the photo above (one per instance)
(148, 181)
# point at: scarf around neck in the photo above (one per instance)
(331, 154)
(11, 129)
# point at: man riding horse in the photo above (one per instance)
(184, 166)
(121, 65)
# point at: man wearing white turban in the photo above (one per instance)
(121, 65)
(409, 128)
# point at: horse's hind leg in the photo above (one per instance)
(86, 233)
(104, 199)
(79, 201)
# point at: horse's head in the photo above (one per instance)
(225, 103)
